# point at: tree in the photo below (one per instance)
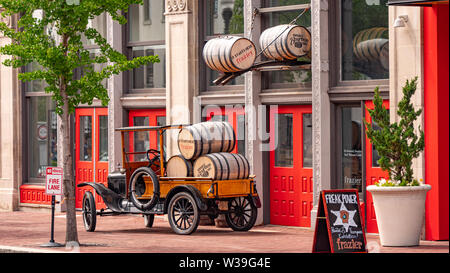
(397, 143)
(54, 42)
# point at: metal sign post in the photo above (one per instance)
(53, 187)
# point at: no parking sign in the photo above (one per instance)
(54, 178)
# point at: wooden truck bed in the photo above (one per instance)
(208, 187)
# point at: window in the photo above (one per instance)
(284, 151)
(42, 138)
(375, 155)
(224, 17)
(365, 40)
(307, 140)
(103, 139)
(287, 11)
(145, 37)
(98, 23)
(85, 138)
(351, 148)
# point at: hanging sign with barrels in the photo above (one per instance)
(228, 54)
(282, 45)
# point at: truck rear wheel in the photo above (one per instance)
(183, 213)
(241, 214)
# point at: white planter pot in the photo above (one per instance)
(400, 213)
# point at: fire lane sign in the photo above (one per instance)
(54, 178)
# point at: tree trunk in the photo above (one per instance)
(69, 183)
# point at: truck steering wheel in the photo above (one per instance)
(153, 157)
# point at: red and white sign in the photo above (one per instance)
(54, 180)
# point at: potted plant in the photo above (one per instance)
(399, 201)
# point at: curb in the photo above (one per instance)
(15, 249)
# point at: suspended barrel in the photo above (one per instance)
(206, 137)
(178, 166)
(285, 42)
(374, 50)
(229, 54)
(222, 166)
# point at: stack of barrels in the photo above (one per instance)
(205, 151)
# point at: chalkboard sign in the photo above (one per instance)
(338, 225)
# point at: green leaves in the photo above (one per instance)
(397, 143)
(53, 40)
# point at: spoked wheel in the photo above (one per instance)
(148, 220)
(242, 214)
(183, 213)
(89, 212)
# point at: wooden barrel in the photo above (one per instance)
(222, 166)
(374, 50)
(178, 166)
(294, 42)
(206, 137)
(229, 53)
(369, 34)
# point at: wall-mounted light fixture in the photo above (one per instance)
(400, 21)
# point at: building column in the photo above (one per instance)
(181, 66)
(10, 131)
(115, 91)
(405, 63)
(320, 102)
(255, 117)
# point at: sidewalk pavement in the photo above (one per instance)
(25, 232)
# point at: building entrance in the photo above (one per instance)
(291, 175)
(356, 158)
(91, 151)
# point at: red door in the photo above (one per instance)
(291, 181)
(373, 172)
(236, 117)
(142, 141)
(91, 151)
(101, 150)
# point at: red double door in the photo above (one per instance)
(291, 175)
(290, 159)
(91, 151)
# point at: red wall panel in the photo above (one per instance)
(436, 114)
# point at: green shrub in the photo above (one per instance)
(397, 143)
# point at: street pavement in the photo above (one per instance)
(25, 232)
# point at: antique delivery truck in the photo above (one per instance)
(205, 179)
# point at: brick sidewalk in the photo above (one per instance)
(26, 231)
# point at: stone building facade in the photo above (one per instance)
(319, 109)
